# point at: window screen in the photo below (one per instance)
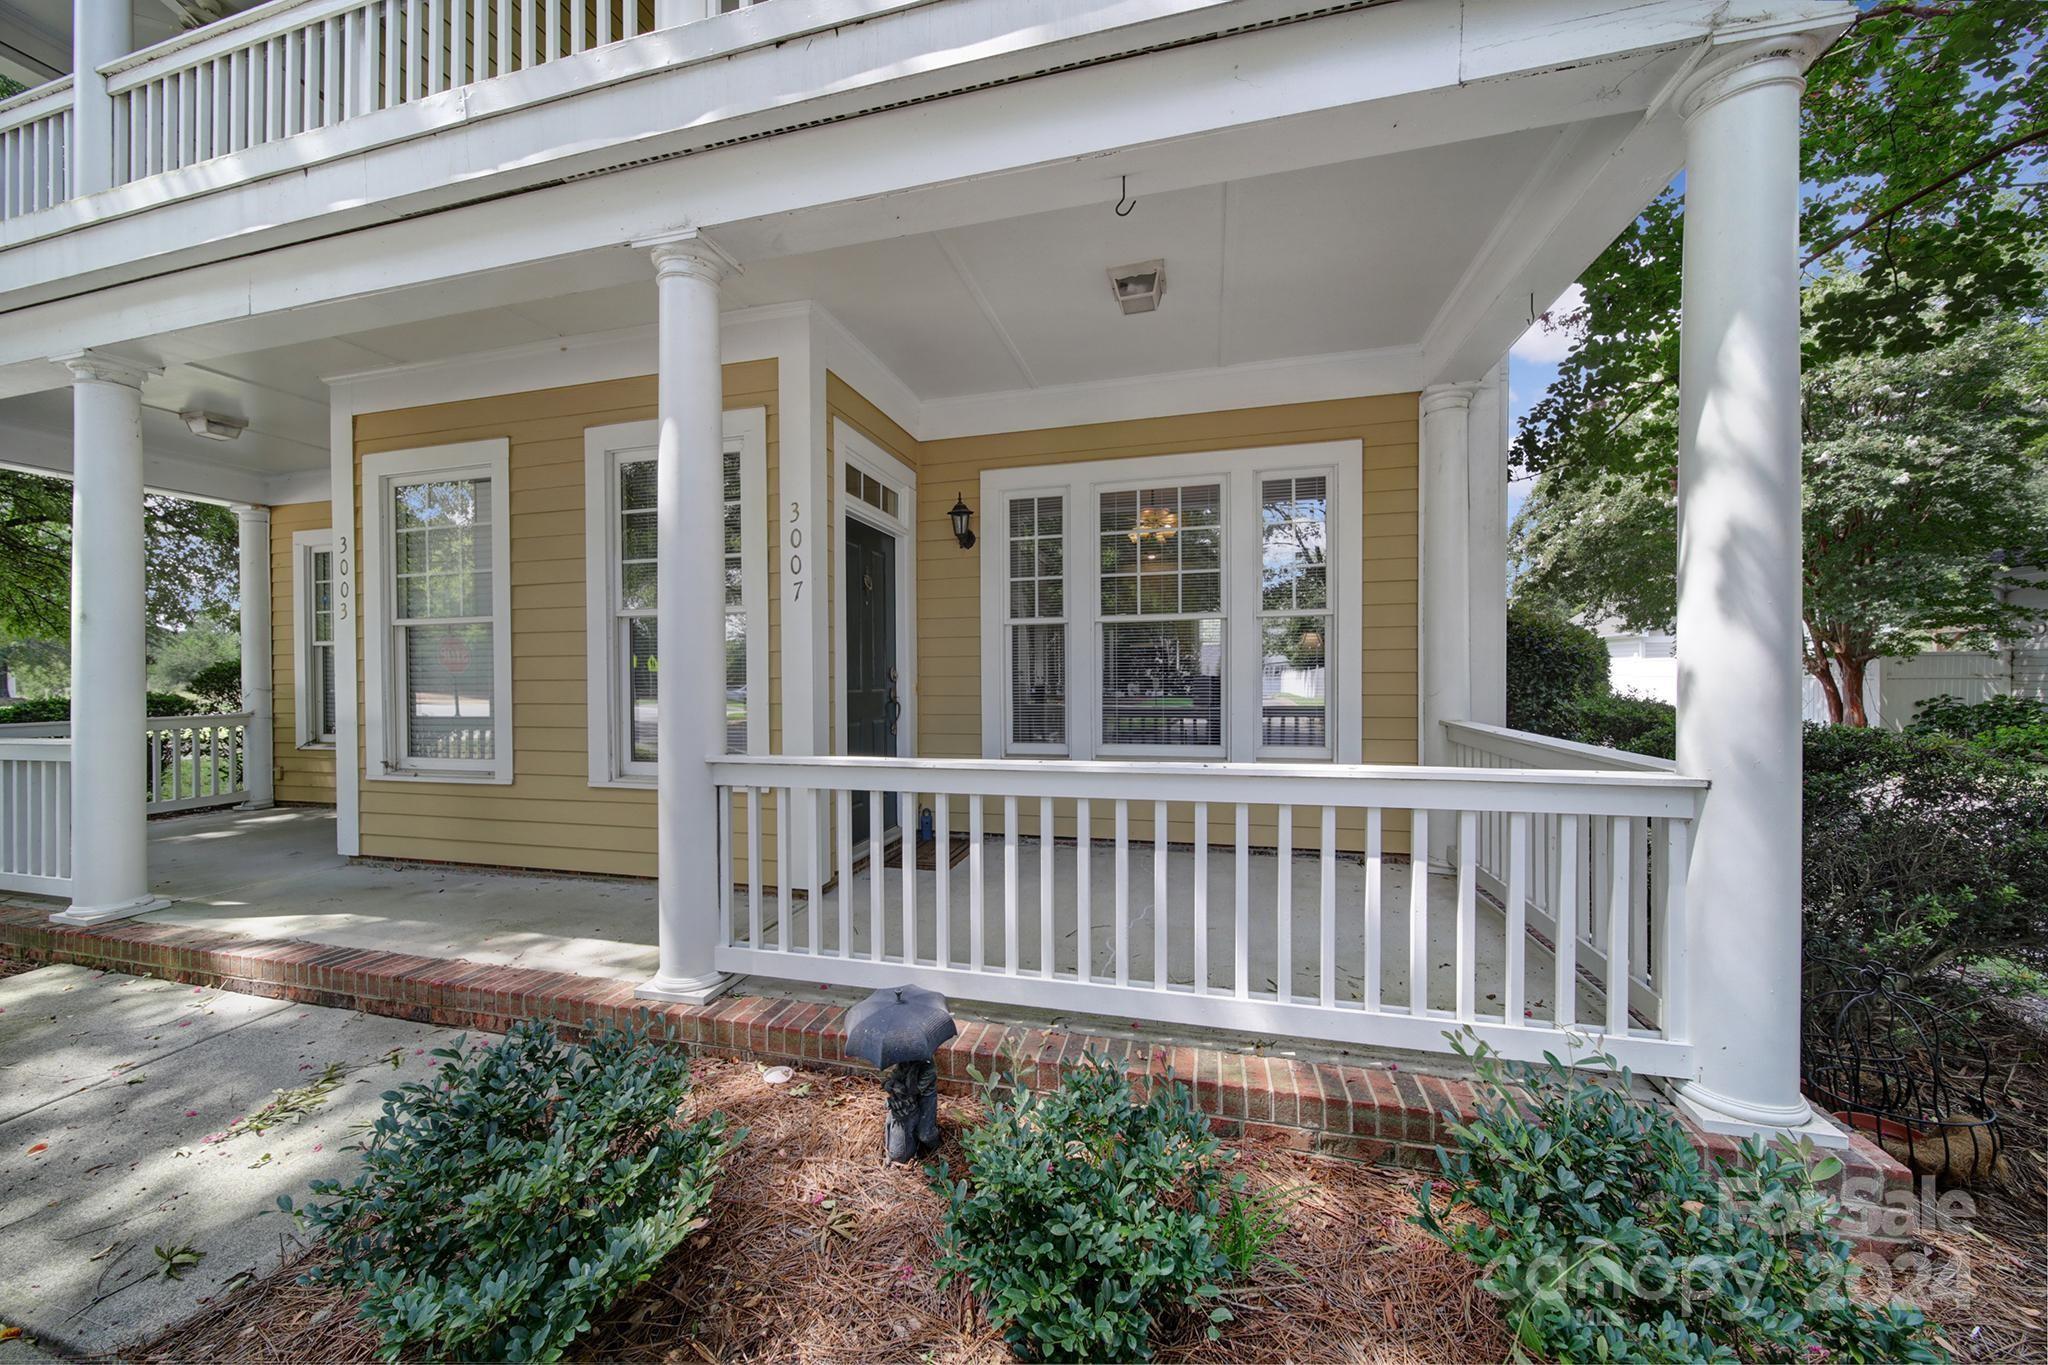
(1161, 582)
(1037, 613)
(441, 535)
(1294, 612)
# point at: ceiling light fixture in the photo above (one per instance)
(1138, 287)
(212, 426)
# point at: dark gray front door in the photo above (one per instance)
(868, 580)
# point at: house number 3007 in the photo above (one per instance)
(796, 545)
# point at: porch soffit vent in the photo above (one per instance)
(1283, 21)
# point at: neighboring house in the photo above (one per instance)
(675, 443)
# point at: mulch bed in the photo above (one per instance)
(819, 1251)
(13, 964)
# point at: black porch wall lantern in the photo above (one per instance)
(963, 517)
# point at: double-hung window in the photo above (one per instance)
(313, 617)
(621, 544)
(1197, 601)
(438, 539)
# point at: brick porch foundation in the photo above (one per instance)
(1375, 1113)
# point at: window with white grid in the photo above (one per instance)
(1038, 622)
(1160, 558)
(443, 624)
(320, 644)
(1294, 613)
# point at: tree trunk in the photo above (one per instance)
(1853, 667)
(1829, 692)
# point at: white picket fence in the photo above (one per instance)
(191, 763)
(1274, 899)
(35, 815)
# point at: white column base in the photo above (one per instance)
(686, 990)
(1718, 1114)
(100, 914)
(257, 805)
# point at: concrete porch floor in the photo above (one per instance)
(274, 874)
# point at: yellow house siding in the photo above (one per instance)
(549, 816)
(302, 774)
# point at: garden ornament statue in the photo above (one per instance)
(899, 1028)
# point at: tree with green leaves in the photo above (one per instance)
(1925, 491)
(192, 561)
(1925, 131)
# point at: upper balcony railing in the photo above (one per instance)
(296, 66)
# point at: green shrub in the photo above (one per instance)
(503, 1205)
(1920, 847)
(1607, 1237)
(1085, 1216)
(1636, 724)
(218, 685)
(1966, 720)
(1553, 665)
(45, 710)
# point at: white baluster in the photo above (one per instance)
(1122, 947)
(1418, 913)
(1200, 872)
(1677, 1020)
(1161, 977)
(878, 876)
(844, 800)
(784, 865)
(1468, 917)
(1047, 954)
(754, 868)
(724, 870)
(1009, 886)
(1621, 835)
(1369, 989)
(1084, 929)
(1326, 959)
(942, 864)
(906, 819)
(976, 928)
(1568, 848)
(1514, 1001)
(1242, 889)
(1283, 902)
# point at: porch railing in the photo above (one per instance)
(1279, 900)
(35, 816)
(35, 149)
(1586, 914)
(191, 762)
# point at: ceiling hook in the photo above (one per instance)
(1124, 202)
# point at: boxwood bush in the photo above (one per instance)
(1552, 665)
(1084, 1216)
(44, 710)
(504, 1204)
(1608, 1237)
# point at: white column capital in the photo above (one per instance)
(1441, 397)
(1741, 66)
(251, 511)
(103, 367)
(689, 254)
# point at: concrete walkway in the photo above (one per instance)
(117, 1099)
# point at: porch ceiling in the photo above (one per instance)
(1357, 256)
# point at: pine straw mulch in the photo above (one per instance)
(13, 963)
(818, 1251)
(1987, 1278)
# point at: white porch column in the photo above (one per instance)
(1446, 570)
(1739, 586)
(690, 498)
(1487, 555)
(257, 691)
(101, 30)
(109, 839)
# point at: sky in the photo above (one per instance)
(1532, 365)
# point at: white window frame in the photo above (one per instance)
(1240, 472)
(851, 447)
(997, 524)
(381, 744)
(305, 544)
(604, 448)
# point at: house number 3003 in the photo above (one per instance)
(796, 546)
